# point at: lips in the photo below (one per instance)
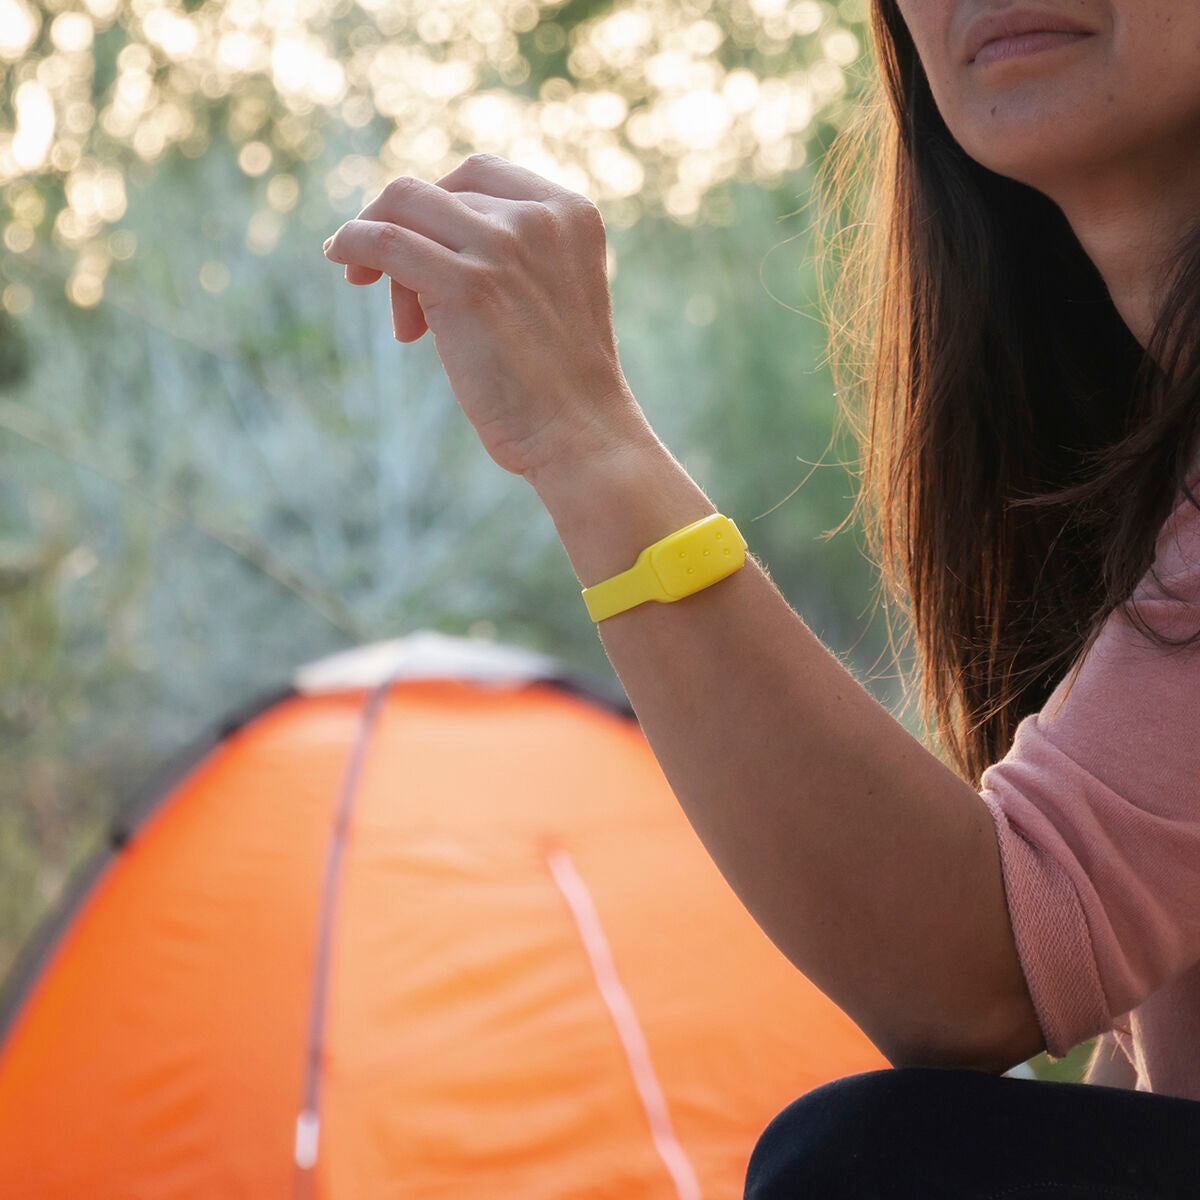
(1013, 23)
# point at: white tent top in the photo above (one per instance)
(426, 655)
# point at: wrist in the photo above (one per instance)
(612, 426)
(610, 505)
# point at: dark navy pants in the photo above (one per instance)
(919, 1133)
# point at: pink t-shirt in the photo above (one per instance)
(1097, 811)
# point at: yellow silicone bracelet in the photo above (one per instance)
(684, 562)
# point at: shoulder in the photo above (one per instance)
(1175, 572)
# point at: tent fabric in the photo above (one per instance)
(532, 982)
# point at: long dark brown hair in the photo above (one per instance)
(1018, 449)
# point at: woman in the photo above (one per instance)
(1037, 255)
(1029, 445)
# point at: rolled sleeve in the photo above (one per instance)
(1097, 812)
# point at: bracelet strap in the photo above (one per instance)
(684, 562)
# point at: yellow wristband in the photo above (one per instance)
(687, 561)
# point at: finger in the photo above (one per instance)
(430, 210)
(355, 274)
(477, 201)
(408, 317)
(414, 261)
(496, 176)
(427, 208)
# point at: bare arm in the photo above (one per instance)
(871, 865)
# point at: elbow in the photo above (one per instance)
(952, 1060)
(992, 1052)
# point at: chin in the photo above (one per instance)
(1035, 126)
(1036, 153)
(1037, 168)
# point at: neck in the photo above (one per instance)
(1129, 224)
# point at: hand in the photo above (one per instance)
(508, 270)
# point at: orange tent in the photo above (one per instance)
(427, 923)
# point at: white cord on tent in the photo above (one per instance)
(308, 1128)
(571, 884)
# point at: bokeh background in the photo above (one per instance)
(216, 463)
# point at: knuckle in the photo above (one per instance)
(509, 242)
(510, 245)
(535, 220)
(478, 283)
(587, 215)
(541, 215)
(399, 187)
(390, 237)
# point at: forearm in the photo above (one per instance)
(869, 863)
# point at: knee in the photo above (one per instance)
(832, 1142)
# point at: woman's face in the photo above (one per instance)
(1125, 95)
